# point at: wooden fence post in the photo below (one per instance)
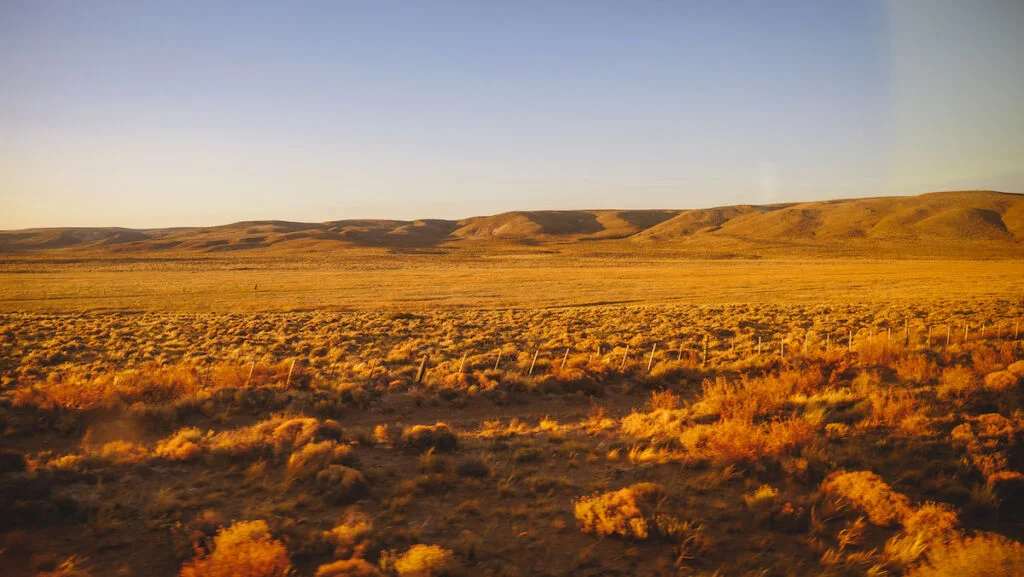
(650, 361)
(462, 363)
(949, 331)
(565, 358)
(705, 350)
(252, 367)
(498, 360)
(289, 379)
(534, 362)
(758, 346)
(423, 369)
(625, 355)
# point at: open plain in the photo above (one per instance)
(538, 405)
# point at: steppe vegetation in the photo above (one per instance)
(732, 391)
(760, 439)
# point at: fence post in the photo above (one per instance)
(423, 369)
(651, 360)
(534, 362)
(289, 379)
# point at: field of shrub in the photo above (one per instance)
(856, 439)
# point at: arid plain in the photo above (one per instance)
(828, 388)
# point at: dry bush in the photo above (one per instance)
(870, 494)
(183, 445)
(423, 437)
(985, 359)
(245, 549)
(915, 369)
(892, 408)
(306, 462)
(340, 484)
(353, 536)
(1001, 381)
(760, 396)
(1017, 368)
(619, 512)
(348, 568)
(663, 399)
(660, 424)
(277, 436)
(985, 555)
(425, 561)
(735, 440)
(930, 526)
(877, 352)
(957, 383)
(151, 384)
(121, 452)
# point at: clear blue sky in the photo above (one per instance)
(189, 113)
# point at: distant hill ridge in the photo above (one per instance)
(991, 218)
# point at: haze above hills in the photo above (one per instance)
(966, 224)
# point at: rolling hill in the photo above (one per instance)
(963, 224)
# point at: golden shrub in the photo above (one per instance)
(422, 437)
(306, 462)
(245, 549)
(916, 369)
(957, 382)
(1017, 368)
(1000, 381)
(985, 359)
(985, 555)
(617, 512)
(348, 568)
(351, 538)
(122, 452)
(425, 561)
(930, 526)
(663, 400)
(734, 440)
(183, 445)
(870, 494)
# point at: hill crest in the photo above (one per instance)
(956, 220)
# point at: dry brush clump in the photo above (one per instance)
(245, 549)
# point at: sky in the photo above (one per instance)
(187, 113)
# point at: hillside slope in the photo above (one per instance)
(968, 224)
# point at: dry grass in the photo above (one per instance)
(146, 432)
(244, 549)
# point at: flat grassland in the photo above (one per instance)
(364, 280)
(525, 413)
